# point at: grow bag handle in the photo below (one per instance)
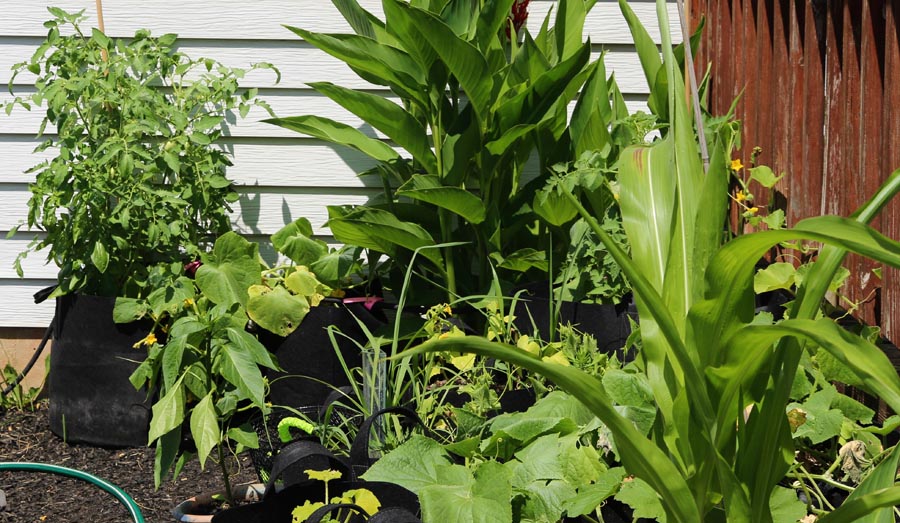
(359, 451)
(296, 452)
(388, 515)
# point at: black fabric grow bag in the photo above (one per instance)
(398, 505)
(311, 367)
(608, 323)
(91, 399)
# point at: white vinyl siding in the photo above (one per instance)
(282, 175)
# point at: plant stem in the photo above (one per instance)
(225, 477)
(443, 215)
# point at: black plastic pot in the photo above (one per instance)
(91, 399)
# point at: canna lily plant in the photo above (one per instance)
(721, 381)
(479, 97)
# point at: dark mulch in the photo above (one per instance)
(37, 497)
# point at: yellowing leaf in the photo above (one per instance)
(559, 358)
(526, 343)
(364, 498)
(302, 512)
(463, 362)
(323, 475)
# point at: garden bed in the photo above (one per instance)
(36, 497)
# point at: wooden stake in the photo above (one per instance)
(100, 26)
(100, 16)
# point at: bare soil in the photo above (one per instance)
(33, 497)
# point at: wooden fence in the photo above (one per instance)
(819, 87)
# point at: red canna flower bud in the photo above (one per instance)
(518, 15)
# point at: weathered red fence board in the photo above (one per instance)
(819, 87)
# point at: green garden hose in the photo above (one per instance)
(117, 492)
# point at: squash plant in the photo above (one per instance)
(135, 177)
(722, 441)
(545, 464)
(475, 105)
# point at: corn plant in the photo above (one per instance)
(721, 383)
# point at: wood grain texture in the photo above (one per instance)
(820, 96)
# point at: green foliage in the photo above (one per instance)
(287, 291)
(16, 397)
(721, 441)
(538, 465)
(589, 273)
(136, 177)
(460, 177)
(208, 369)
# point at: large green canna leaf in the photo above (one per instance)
(569, 27)
(463, 59)
(510, 138)
(639, 455)
(380, 230)
(460, 148)
(363, 22)
(647, 51)
(387, 117)
(428, 188)
(492, 18)
(378, 63)
(589, 128)
(532, 104)
(462, 17)
(338, 133)
(402, 27)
